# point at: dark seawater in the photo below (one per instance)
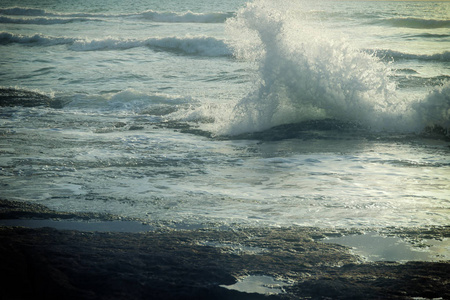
(261, 113)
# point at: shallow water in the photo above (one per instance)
(172, 111)
(375, 247)
(259, 284)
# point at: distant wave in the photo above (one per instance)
(206, 46)
(417, 23)
(431, 36)
(33, 40)
(168, 17)
(396, 55)
(186, 17)
(413, 80)
(44, 20)
(23, 11)
(33, 12)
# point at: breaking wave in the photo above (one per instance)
(306, 73)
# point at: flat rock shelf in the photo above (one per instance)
(207, 263)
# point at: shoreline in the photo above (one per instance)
(204, 263)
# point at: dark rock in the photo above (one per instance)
(16, 97)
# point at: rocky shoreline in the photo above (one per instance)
(165, 263)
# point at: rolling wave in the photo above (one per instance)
(33, 40)
(201, 45)
(204, 46)
(44, 20)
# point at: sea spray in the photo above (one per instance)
(306, 74)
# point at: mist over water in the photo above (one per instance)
(266, 113)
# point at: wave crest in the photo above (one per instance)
(205, 46)
(186, 17)
(200, 45)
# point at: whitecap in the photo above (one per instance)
(185, 17)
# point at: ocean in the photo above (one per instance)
(228, 113)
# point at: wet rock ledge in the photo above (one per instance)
(47, 263)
